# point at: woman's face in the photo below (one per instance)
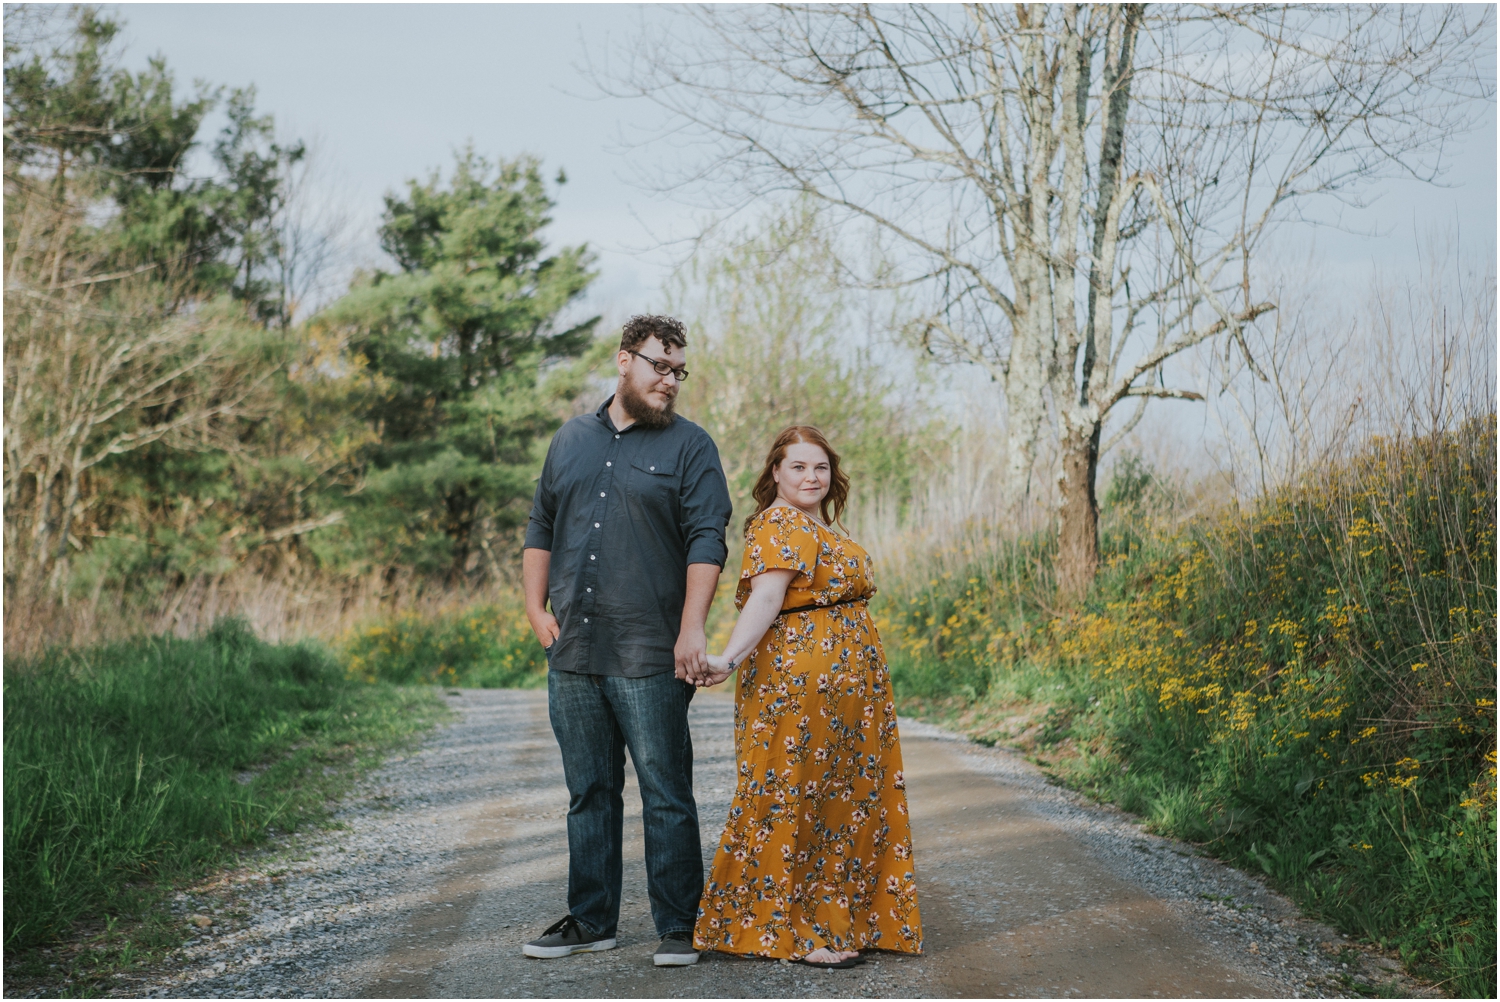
(803, 476)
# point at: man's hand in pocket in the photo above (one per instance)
(544, 625)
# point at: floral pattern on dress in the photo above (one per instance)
(817, 847)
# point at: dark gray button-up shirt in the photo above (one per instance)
(624, 513)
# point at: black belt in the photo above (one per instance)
(813, 608)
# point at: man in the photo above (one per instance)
(627, 541)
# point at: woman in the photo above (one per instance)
(815, 862)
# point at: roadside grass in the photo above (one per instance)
(1305, 689)
(485, 646)
(133, 768)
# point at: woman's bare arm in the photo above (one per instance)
(767, 592)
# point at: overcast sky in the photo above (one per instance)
(387, 92)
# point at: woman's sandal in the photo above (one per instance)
(837, 965)
(834, 965)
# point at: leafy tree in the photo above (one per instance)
(778, 341)
(169, 430)
(451, 347)
(144, 363)
(70, 110)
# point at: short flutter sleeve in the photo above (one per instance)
(779, 538)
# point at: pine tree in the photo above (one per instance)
(453, 343)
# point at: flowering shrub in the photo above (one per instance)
(1307, 688)
(485, 646)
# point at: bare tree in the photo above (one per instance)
(768, 301)
(100, 363)
(1081, 190)
(312, 227)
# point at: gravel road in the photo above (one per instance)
(447, 859)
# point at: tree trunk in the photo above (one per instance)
(1026, 413)
(462, 507)
(1078, 528)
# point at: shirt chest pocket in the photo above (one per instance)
(653, 482)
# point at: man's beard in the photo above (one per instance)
(640, 410)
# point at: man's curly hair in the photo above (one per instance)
(667, 330)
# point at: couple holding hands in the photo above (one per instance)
(626, 542)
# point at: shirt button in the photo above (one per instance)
(601, 493)
(585, 619)
(596, 525)
(653, 469)
(617, 436)
(609, 464)
(591, 556)
(588, 589)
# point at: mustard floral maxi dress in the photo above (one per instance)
(817, 848)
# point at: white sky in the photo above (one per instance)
(388, 91)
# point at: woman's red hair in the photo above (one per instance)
(765, 486)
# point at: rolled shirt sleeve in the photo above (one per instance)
(543, 509)
(705, 505)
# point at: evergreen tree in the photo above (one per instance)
(453, 344)
(80, 127)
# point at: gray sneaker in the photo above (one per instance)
(565, 938)
(676, 950)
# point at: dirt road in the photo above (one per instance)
(449, 858)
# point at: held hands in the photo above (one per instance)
(714, 669)
(691, 654)
(718, 670)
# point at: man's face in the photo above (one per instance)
(642, 387)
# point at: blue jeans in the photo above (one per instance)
(595, 718)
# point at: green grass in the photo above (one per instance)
(1307, 689)
(132, 767)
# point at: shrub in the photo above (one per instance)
(487, 647)
(1308, 688)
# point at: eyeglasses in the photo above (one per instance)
(662, 368)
